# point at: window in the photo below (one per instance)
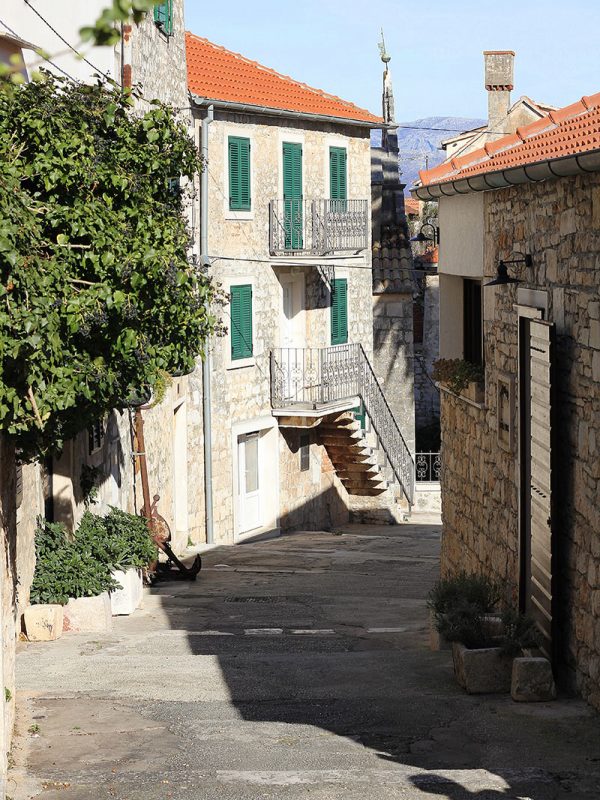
(163, 17)
(472, 333)
(338, 174)
(339, 311)
(95, 436)
(241, 322)
(304, 452)
(239, 173)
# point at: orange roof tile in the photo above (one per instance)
(567, 131)
(411, 206)
(219, 74)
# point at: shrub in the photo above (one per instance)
(478, 591)
(456, 373)
(80, 564)
(520, 632)
(66, 566)
(465, 622)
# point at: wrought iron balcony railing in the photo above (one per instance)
(428, 467)
(318, 226)
(316, 376)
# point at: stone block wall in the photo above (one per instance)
(558, 222)
(427, 396)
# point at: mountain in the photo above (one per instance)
(419, 142)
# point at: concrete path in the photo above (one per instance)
(293, 668)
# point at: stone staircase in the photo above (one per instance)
(361, 467)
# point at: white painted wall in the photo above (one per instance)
(67, 17)
(451, 316)
(461, 235)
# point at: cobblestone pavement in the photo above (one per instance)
(293, 668)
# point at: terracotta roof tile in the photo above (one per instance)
(564, 132)
(219, 74)
(411, 206)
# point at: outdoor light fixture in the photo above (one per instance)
(502, 277)
(421, 237)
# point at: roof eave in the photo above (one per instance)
(565, 166)
(248, 108)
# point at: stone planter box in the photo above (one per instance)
(125, 600)
(44, 622)
(436, 640)
(475, 392)
(482, 671)
(532, 680)
(88, 615)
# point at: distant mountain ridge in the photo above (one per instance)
(419, 142)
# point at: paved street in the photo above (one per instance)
(293, 668)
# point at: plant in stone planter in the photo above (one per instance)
(463, 588)
(520, 633)
(126, 542)
(457, 374)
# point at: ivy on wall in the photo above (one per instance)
(97, 296)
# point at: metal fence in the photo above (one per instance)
(428, 467)
(316, 376)
(318, 226)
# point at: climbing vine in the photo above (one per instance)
(97, 295)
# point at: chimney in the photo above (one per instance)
(499, 70)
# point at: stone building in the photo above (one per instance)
(151, 57)
(520, 482)
(301, 433)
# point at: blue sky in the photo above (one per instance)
(435, 46)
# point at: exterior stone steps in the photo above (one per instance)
(355, 461)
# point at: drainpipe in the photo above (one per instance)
(206, 361)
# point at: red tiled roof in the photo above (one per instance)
(218, 74)
(568, 131)
(411, 206)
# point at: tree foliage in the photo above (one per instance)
(97, 295)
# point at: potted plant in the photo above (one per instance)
(128, 548)
(68, 573)
(461, 377)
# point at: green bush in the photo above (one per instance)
(66, 566)
(80, 564)
(478, 591)
(456, 373)
(520, 632)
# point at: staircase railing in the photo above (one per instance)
(316, 376)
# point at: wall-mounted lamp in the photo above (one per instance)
(502, 277)
(421, 237)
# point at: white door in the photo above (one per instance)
(292, 338)
(248, 482)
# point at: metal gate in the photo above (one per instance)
(537, 551)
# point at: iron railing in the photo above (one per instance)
(318, 226)
(315, 376)
(428, 467)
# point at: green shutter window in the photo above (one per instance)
(241, 322)
(239, 174)
(339, 312)
(292, 195)
(163, 16)
(338, 178)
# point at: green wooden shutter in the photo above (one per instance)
(338, 181)
(163, 16)
(339, 312)
(239, 174)
(241, 321)
(292, 195)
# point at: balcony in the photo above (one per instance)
(318, 227)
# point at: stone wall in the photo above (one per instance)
(427, 396)
(559, 223)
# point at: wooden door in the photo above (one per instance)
(537, 578)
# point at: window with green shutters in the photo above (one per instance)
(339, 312)
(292, 195)
(163, 16)
(239, 173)
(241, 321)
(338, 173)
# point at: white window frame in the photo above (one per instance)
(243, 132)
(239, 363)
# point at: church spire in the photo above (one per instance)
(388, 92)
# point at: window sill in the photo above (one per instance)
(240, 363)
(473, 395)
(239, 216)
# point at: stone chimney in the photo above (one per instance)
(499, 71)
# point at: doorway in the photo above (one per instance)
(249, 489)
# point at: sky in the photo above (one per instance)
(436, 47)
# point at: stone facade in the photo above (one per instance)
(427, 396)
(558, 222)
(239, 251)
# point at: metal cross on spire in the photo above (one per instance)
(384, 56)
